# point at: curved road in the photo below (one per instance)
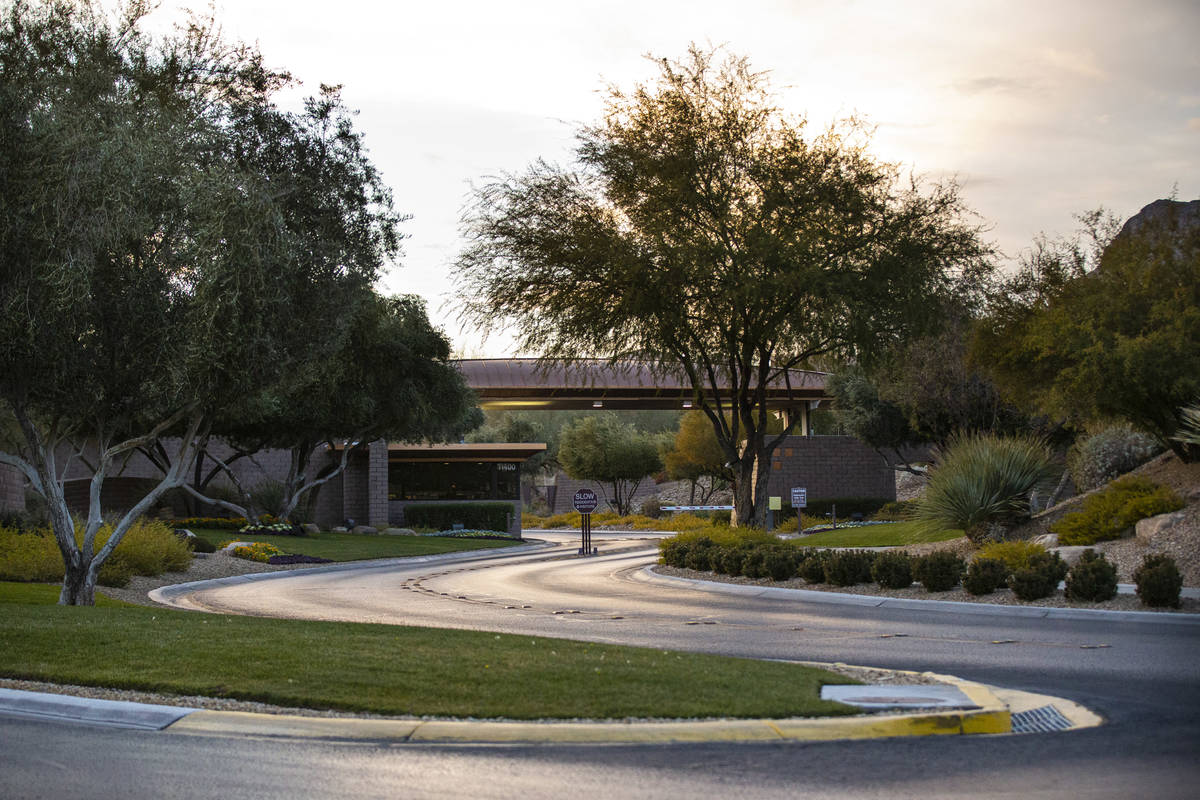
(1142, 676)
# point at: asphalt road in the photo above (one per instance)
(1142, 676)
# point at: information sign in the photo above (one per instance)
(799, 497)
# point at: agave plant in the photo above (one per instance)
(982, 483)
(1189, 427)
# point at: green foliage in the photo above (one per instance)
(201, 545)
(985, 575)
(1110, 513)
(779, 562)
(893, 570)
(603, 449)
(1109, 454)
(696, 453)
(867, 506)
(938, 571)
(258, 551)
(1039, 578)
(652, 507)
(812, 569)
(620, 256)
(149, 548)
(1109, 333)
(848, 567)
(982, 483)
(1158, 581)
(700, 554)
(1093, 578)
(896, 511)
(444, 516)
(1015, 554)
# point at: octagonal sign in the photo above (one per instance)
(585, 501)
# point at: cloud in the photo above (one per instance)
(988, 84)
(1194, 124)
(1079, 62)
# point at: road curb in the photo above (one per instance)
(991, 717)
(648, 575)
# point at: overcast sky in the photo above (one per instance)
(1041, 109)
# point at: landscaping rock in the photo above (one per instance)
(398, 532)
(339, 529)
(1070, 554)
(230, 547)
(364, 529)
(1151, 527)
(1046, 540)
(310, 529)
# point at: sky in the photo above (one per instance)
(1039, 109)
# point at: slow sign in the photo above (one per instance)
(585, 501)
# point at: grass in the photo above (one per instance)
(46, 594)
(356, 546)
(890, 535)
(389, 669)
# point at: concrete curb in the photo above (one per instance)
(647, 575)
(172, 595)
(992, 716)
(112, 713)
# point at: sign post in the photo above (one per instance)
(585, 502)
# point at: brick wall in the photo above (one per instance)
(565, 488)
(830, 466)
(12, 489)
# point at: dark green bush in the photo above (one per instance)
(1110, 513)
(116, 571)
(1093, 578)
(700, 554)
(813, 567)
(779, 562)
(1039, 579)
(985, 575)
(939, 571)
(846, 506)
(673, 552)
(893, 570)
(1158, 581)
(199, 545)
(732, 560)
(848, 567)
(474, 516)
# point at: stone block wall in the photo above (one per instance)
(829, 467)
(12, 489)
(565, 488)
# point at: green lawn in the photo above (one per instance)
(890, 535)
(388, 669)
(356, 546)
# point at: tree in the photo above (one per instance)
(605, 450)
(702, 232)
(1108, 331)
(144, 263)
(695, 453)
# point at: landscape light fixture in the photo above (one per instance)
(597, 404)
(687, 403)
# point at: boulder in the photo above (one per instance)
(1071, 553)
(339, 529)
(398, 532)
(310, 529)
(1046, 540)
(1150, 527)
(229, 548)
(364, 529)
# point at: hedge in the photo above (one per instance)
(475, 516)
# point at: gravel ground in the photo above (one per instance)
(1002, 597)
(204, 566)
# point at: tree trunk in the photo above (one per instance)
(79, 584)
(743, 493)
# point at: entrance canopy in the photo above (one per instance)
(528, 383)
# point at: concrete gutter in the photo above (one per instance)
(648, 575)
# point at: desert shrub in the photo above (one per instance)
(1014, 554)
(848, 567)
(200, 545)
(1158, 581)
(298, 559)
(1039, 578)
(812, 568)
(845, 506)
(30, 556)
(1110, 513)
(699, 554)
(218, 523)
(673, 551)
(732, 560)
(985, 575)
(258, 551)
(938, 571)
(652, 507)
(893, 570)
(982, 483)
(1093, 578)
(778, 562)
(116, 571)
(150, 547)
(1108, 454)
(896, 511)
(789, 525)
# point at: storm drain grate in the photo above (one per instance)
(1040, 720)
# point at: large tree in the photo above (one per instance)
(705, 231)
(1104, 325)
(612, 453)
(694, 454)
(144, 261)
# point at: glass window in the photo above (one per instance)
(455, 480)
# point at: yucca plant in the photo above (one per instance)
(981, 483)
(1189, 428)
